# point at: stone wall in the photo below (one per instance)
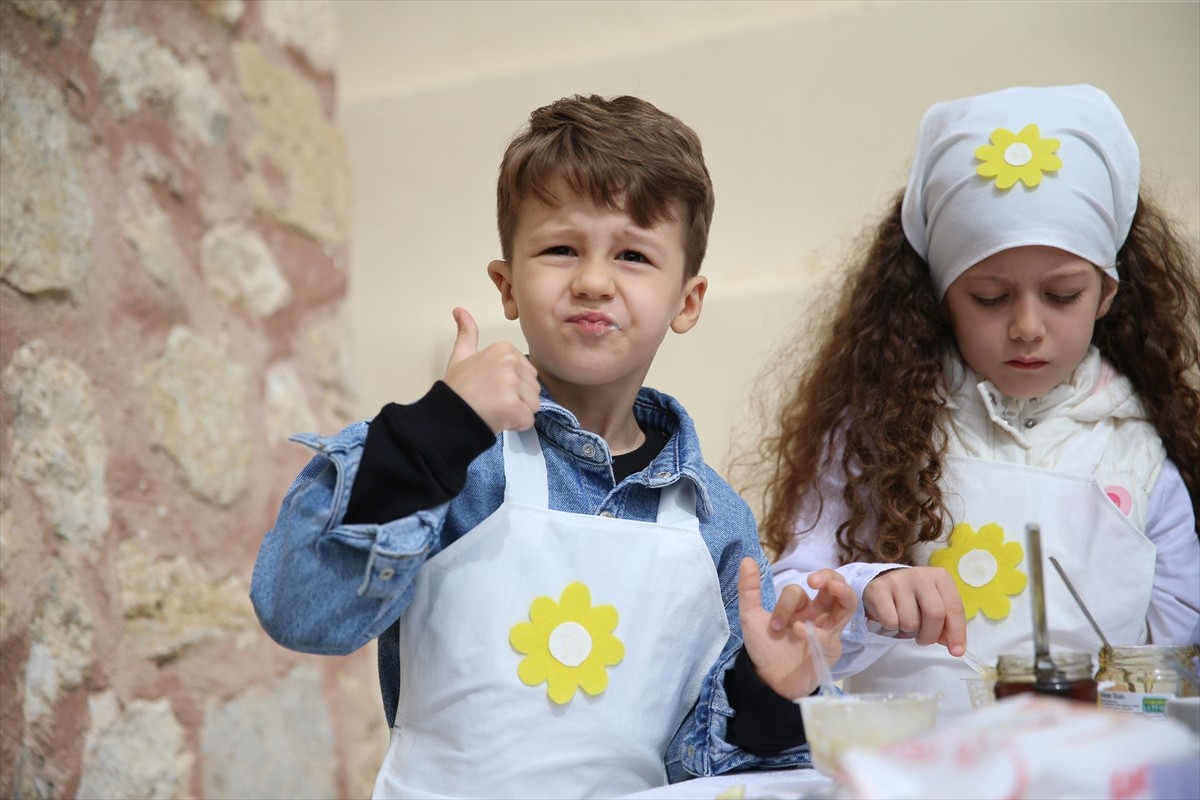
(174, 226)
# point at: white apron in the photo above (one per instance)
(549, 654)
(1109, 561)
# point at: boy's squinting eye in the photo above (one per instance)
(558, 250)
(633, 256)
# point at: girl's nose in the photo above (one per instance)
(1026, 324)
(593, 278)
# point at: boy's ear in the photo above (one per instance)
(501, 274)
(693, 300)
(1108, 290)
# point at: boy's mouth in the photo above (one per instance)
(594, 322)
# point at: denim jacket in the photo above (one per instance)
(321, 586)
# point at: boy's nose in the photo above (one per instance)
(593, 278)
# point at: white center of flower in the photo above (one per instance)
(570, 643)
(977, 568)
(1018, 154)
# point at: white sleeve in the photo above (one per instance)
(1174, 615)
(811, 550)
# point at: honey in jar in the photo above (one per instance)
(1071, 677)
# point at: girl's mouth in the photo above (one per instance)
(1026, 363)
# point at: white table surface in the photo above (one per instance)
(792, 784)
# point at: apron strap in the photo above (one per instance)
(677, 505)
(1082, 453)
(526, 483)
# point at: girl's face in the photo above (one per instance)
(1023, 318)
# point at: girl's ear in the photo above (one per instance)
(1108, 290)
(693, 300)
(501, 274)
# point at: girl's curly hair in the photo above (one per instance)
(867, 403)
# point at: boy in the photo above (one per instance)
(550, 567)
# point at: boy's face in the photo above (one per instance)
(1023, 318)
(595, 293)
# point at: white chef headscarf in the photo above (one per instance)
(1053, 166)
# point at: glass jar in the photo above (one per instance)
(1071, 677)
(1140, 679)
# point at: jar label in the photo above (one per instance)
(1154, 705)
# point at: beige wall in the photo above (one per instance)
(808, 112)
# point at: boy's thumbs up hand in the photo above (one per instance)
(498, 382)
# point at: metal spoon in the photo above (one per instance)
(1043, 665)
(1079, 600)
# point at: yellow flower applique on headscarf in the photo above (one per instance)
(984, 567)
(567, 644)
(1016, 157)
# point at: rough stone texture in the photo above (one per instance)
(153, 354)
(274, 743)
(330, 341)
(53, 17)
(134, 751)
(287, 410)
(171, 604)
(57, 444)
(308, 26)
(196, 401)
(297, 158)
(62, 637)
(228, 11)
(45, 219)
(240, 270)
(149, 233)
(12, 542)
(137, 71)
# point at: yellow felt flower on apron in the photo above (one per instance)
(1013, 157)
(567, 644)
(985, 568)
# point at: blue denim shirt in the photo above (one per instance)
(321, 586)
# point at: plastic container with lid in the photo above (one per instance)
(1071, 677)
(1140, 679)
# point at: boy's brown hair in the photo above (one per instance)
(622, 153)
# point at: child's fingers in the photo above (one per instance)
(954, 632)
(792, 602)
(749, 588)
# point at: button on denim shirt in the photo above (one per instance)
(321, 586)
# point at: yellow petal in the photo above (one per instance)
(532, 670)
(989, 169)
(601, 619)
(1002, 138)
(1030, 177)
(1048, 163)
(527, 638)
(1029, 135)
(995, 606)
(575, 598)
(544, 611)
(1006, 179)
(593, 679)
(987, 152)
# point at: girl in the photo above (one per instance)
(1019, 345)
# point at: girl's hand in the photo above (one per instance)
(498, 382)
(921, 603)
(777, 642)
